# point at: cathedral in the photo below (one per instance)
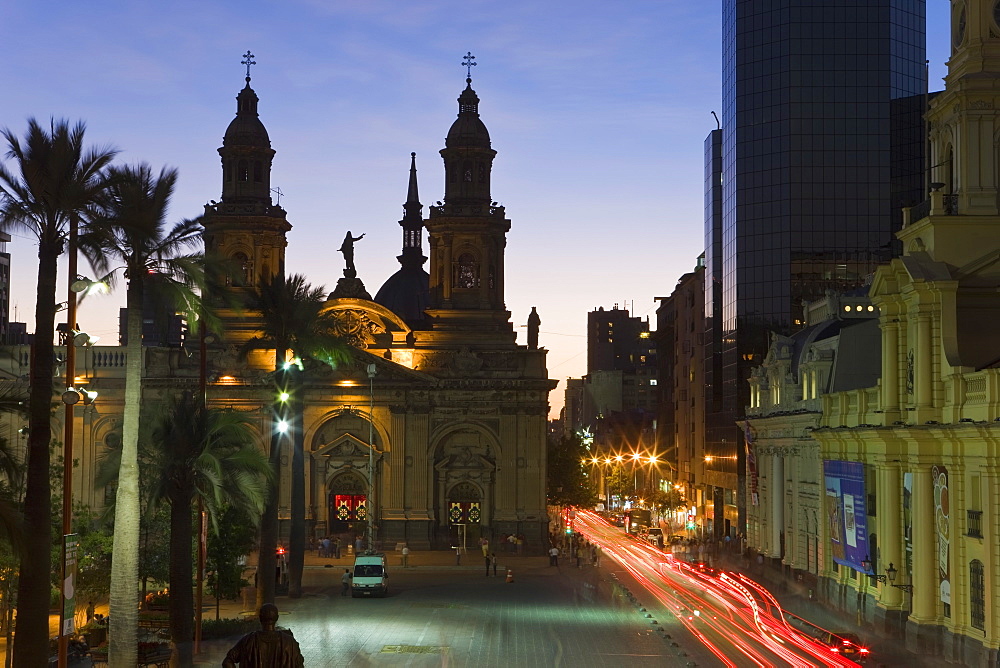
(435, 429)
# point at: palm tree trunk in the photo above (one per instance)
(181, 575)
(266, 561)
(123, 631)
(266, 557)
(31, 640)
(297, 537)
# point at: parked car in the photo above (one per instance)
(848, 645)
(371, 578)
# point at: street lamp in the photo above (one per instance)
(372, 371)
(866, 564)
(892, 572)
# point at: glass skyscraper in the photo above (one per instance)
(822, 144)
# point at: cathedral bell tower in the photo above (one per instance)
(964, 119)
(467, 234)
(246, 228)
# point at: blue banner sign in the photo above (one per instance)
(844, 508)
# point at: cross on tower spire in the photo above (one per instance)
(248, 61)
(468, 62)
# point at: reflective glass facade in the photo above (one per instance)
(822, 145)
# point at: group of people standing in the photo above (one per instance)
(576, 548)
(328, 546)
(512, 543)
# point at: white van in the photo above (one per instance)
(371, 577)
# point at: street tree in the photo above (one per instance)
(191, 452)
(294, 322)
(55, 185)
(567, 478)
(132, 235)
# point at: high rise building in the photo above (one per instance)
(821, 146)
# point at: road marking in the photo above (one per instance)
(414, 649)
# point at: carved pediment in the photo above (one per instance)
(347, 446)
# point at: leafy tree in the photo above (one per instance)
(567, 482)
(292, 319)
(233, 538)
(207, 454)
(132, 234)
(55, 185)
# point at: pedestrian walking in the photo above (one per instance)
(493, 562)
(487, 560)
(554, 556)
(406, 556)
(484, 543)
(345, 581)
(336, 547)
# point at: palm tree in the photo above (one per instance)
(55, 188)
(132, 234)
(292, 319)
(192, 452)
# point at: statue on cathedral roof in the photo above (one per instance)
(347, 248)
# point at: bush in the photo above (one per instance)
(212, 629)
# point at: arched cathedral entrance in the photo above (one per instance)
(340, 470)
(465, 469)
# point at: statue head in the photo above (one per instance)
(268, 616)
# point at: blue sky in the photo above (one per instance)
(598, 112)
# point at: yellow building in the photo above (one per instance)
(928, 434)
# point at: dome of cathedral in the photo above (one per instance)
(468, 129)
(405, 294)
(246, 129)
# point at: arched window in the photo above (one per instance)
(258, 172)
(466, 271)
(467, 172)
(240, 274)
(243, 174)
(977, 595)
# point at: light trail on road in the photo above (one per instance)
(734, 617)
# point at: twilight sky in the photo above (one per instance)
(598, 112)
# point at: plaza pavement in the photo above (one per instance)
(440, 614)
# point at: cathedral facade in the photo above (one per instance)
(434, 430)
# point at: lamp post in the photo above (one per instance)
(66, 625)
(372, 372)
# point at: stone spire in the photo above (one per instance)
(412, 223)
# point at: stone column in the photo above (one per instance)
(890, 367)
(890, 541)
(923, 388)
(777, 502)
(393, 467)
(919, 631)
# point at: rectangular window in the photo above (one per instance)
(977, 595)
(974, 523)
